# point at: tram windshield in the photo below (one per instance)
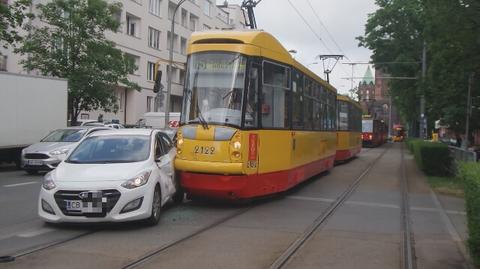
(214, 88)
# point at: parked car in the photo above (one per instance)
(115, 125)
(112, 176)
(93, 123)
(51, 150)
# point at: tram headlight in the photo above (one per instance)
(235, 147)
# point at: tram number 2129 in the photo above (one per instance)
(204, 150)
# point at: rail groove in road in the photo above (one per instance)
(285, 257)
(408, 250)
(12, 258)
(145, 258)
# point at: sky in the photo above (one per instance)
(344, 20)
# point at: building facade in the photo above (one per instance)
(145, 36)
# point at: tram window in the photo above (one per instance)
(275, 75)
(252, 97)
(308, 113)
(343, 116)
(275, 96)
(297, 95)
(317, 115)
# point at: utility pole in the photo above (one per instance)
(469, 110)
(169, 68)
(423, 117)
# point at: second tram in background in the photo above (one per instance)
(398, 133)
(374, 132)
(349, 128)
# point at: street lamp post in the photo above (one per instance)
(170, 63)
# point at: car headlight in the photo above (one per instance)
(59, 152)
(137, 181)
(48, 182)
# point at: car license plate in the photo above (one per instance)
(35, 162)
(74, 205)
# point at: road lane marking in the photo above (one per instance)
(20, 184)
(370, 204)
(34, 233)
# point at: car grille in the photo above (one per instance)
(111, 195)
(36, 156)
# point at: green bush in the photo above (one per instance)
(470, 174)
(411, 141)
(433, 158)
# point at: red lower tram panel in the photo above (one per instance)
(343, 155)
(238, 187)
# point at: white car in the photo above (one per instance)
(112, 176)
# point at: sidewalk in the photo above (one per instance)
(438, 223)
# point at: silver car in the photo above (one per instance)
(51, 150)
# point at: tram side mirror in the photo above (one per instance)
(158, 82)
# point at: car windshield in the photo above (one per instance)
(65, 135)
(112, 149)
(214, 88)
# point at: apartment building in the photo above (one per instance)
(145, 36)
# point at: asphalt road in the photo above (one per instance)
(364, 233)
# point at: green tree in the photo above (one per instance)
(11, 18)
(73, 46)
(394, 34)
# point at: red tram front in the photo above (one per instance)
(374, 132)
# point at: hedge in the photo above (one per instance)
(432, 157)
(411, 141)
(470, 174)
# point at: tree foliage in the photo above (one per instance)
(73, 46)
(397, 32)
(11, 18)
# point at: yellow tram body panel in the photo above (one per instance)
(273, 151)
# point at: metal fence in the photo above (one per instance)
(462, 155)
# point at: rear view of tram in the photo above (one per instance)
(349, 134)
(374, 132)
(254, 121)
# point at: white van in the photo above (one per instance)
(157, 119)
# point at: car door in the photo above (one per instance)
(164, 160)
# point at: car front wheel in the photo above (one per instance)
(156, 207)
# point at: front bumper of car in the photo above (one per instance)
(111, 210)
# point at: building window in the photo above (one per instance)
(3, 63)
(149, 103)
(136, 61)
(184, 18)
(133, 25)
(171, 11)
(175, 41)
(154, 7)
(174, 74)
(193, 22)
(206, 8)
(153, 38)
(181, 76)
(150, 71)
(84, 116)
(183, 46)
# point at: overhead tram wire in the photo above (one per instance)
(326, 30)
(310, 27)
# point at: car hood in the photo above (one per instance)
(69, 172)
(49, 146)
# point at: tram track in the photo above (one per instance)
(286, 256)
(29, 251)
(408, 250)
(145, 258)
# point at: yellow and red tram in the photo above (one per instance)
(254, 121)
(349, 128)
